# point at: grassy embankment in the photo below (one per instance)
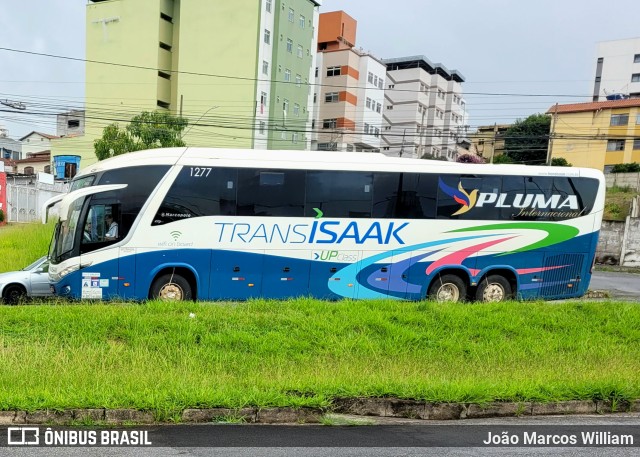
(618, 203)
(154, 356)
(21, 244)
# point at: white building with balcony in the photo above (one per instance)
(424, 114)
(617, 69)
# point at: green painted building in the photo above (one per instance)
(239, 71)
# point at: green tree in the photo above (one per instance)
(429, 156)
(147, 130)
(502, 158)
(527, 141)
(560, 162)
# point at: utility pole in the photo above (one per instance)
(551, 134)
(402, 147)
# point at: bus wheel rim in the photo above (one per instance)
(493, 292)
(171, 291)
(448, 292)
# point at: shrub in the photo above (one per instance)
(560, 162)
(626, 168)
(469, 158)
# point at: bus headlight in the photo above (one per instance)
(64, 272)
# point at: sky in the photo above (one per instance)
(544, 49)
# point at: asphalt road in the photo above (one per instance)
(624, 286)
(294, 441)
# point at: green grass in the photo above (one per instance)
(22, 244)
(618, 203)
(305, 353)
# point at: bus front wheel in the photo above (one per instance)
(171, 287)
(494, 288)
(447, 288)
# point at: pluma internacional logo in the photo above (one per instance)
(528, 204)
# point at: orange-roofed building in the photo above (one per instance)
(597, 134)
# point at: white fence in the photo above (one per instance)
(25, 199)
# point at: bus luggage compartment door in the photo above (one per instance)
(285, 274)
(333, 274)
(236, 275)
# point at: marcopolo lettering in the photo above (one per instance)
(533, 201)
(318, 232)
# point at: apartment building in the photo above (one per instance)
(617, 69)
(597, 134)
(349, 91)
(488, 141)
(238, 71)
(424, 113)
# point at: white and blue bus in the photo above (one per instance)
(220, 224)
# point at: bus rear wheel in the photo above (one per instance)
(171, 287)
(494, 288)
(447, 288)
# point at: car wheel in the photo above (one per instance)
(13, 294)
(171, 287)
(494, 288)
(447, 288)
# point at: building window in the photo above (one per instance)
(391, 86)
(74, 123)
(329, 123)
(636, 143)
(298, 80)
(296, 110)
(368, 103)
(331, 97)
(165, 46)
(268, 6)
(300, 52)
(267, 36)
(637, 119)
(261, 129)
(635, 78)
(636, 58)
(615, 145)
(380, 83)
(619, 119)
(287, 75)
(378, 107)
(389, 107)
(28, 170)
(291, 14)
(47, 169)
(302, 21)
(441, 94)
(164, 75)
(289, 45)
(263, 101)
(370, 77)
(333, 71)
(162, 104)
(316, 72)
(265, 67)
(285, 105)
(366, 128)
(283, 135)
(166, 17)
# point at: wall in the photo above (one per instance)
(619, 243)
(630, 180)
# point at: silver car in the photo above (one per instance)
(31, 281)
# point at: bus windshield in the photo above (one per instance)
(65, 232)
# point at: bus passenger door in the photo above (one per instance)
(126, 272)
(236, 274)
(285, 274)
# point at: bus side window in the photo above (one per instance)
(339, 193)
(270, 192)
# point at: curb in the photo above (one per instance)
(371, 407)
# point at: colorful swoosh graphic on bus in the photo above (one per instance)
(556, 233)
(349, 274)
(372, 286)
(461, 196)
